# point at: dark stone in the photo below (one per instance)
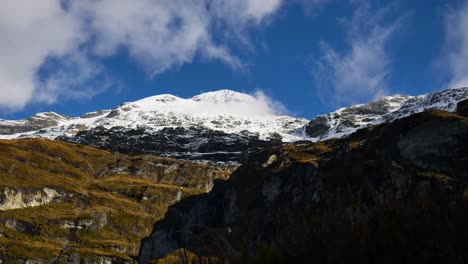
(462, 108)
(317, 126)
(192, 143)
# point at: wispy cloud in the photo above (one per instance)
(156, 34)
(273, 106)
(456, 46)
(311, 7)
(71, 77)
(360, 73)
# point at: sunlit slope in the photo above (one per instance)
(64, 202)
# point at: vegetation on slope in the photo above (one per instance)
(104, 202)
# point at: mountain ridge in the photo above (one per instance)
(347, 120)
(219, 126)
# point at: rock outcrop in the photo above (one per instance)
(21, 198)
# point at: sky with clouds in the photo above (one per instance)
(313, 56)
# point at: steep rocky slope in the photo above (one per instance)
(66, 203)
(391, 193)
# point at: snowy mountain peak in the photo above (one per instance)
(225, 110)
(154, 101)
(216, 97)
(217, 103)
(223, 96)
(217, 114)
(217, 126)
(48, 116)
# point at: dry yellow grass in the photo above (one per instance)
(130, 193)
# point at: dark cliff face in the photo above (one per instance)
(196, 144)
(393, 193)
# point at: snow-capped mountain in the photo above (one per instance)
(213, 126)
(217, 126)
(347, 120)
(224, 110)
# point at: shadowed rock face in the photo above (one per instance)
(393, 193)
(462, 108)
(197, 144)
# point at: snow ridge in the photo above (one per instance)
(347, 120)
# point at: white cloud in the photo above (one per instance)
(157, 34)
(30, 31)
(359, 74)
(456, 46)
(258, 9)
(270, 105)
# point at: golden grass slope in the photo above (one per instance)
(109, 203)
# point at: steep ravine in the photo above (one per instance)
(391, 193)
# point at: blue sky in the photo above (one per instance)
(313, 56)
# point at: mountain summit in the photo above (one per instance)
(220, 126)
(224, 110)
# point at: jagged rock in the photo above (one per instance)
(25, 197)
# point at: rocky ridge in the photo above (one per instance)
(347, 120)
